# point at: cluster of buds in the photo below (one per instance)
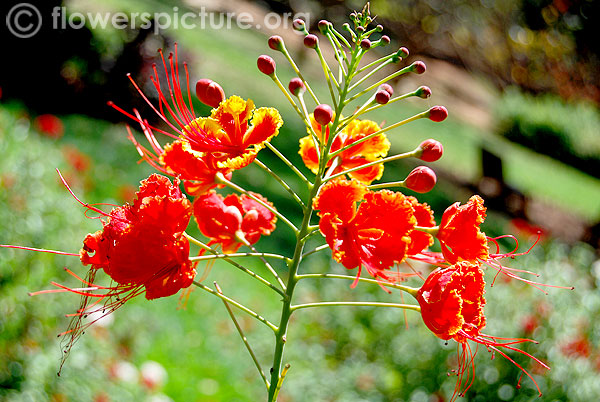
(143, 248)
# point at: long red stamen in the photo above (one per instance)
(43, 250)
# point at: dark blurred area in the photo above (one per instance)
(539, 45)
(67, 70)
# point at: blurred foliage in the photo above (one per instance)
(540, 45)
(548, 125)
(337, 354)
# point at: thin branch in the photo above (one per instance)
(244, 339)
(287, 162)
(238, 305)
(383, 160)
(316, 250)
(368, 304)
(280, 181)
(409, 290)
(232, 255)
(269, 266)
(235, 264)
(220, 178)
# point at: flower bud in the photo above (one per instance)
(360, 29)
(324, 26)
(323, 114)
(299, 24)
(418, 67)
(365, 44)
(209, 92)
(387, 88)
(296, 86)
(266, 64)
(379, 28)
(385, 40)
(431, 150)
(423, 92)
(421, 179)
(438, 113)
(400, 54)
(311, 41)
(382, 96)
(276, 43)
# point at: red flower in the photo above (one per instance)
(375, 235)
(142, 245)
(452, 301)
(49, 125)
(424, 216)
(229, 139)
(358, 155)
(459, 234)
(234, 220)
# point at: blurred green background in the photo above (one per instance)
(520, 79)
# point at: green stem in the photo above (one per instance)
(409, 290)
(243, 336)
(367, 304)
(316, 250)
(238, 305)
(280, 181)
(235, 264)
(383, 130)
(286, 311)
(387, 185)
(405, 70)
(232, 255)
(267, 265)
(383, 160)
(288, 163)
(299, 74)
(220, 178)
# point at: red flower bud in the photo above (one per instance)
(296, 86)
(382, 97)
(323, 26)
(379, 28)
(311, 41)
(385, 40)
(276, 42)
(298, 24)
(402, 52)
(266, 64)
(421, 179)
(438, 113)
(431, 150)
(387, 88)
(423, 92)
(365, 44)
(209, 92)
(360, 29)
(323, 114)
(418, 67)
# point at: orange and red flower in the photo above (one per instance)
(451, 301)
(459, 233)
(227, 140)
(358, 155)
(376, 234)
(142, 245)
(234, 220)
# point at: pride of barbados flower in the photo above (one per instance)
(141, 246)
(228, 140)
(233, 221)
(452, 301)
(378, 233)
(360, 154)
(459, 233)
